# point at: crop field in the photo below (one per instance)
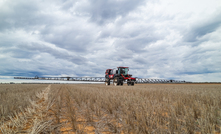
(96, 108)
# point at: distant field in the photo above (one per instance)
(96, 108)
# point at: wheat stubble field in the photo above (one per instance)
(96, 108)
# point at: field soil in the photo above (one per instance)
(143, 108)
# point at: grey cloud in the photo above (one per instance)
(19, 53)
(108, 10)
(202, 28)
(141, 60)
(17, 14)
(68, 4)
(57, 53)
(135, 45)
(75, 40)
(28, 15)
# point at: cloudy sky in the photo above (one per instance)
(167, 39)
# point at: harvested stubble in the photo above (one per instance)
(16, 97)
(29, 118)
(151, 108)
(147, 108)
